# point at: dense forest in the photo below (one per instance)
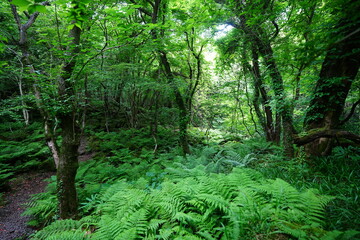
(181, 119)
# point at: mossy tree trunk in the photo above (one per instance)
(68, 163)
(67, 168)
(259, 89)
(283, 119)
(338, 71)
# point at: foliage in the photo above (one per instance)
(43, 206)
(334, 175)
(235, 65)
(134, 140)
(99, 175)
(21, 149)
(216, 206)
(223, 158)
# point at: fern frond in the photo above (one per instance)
(68, 235)
(154, 225)
(128, 234)
(204, 206)
(165, 233)
(187, 218)
(215, 201)
(58, 227)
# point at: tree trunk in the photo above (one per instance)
(267, 123)
(24, 109)
(260, 43)
(67, 168)
(337, 74)
(184, 116)
(68, 164)
(282, 109)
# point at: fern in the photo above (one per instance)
(42, 208)
(61, 229)
(239, 205)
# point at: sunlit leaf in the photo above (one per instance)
(21, 3)
(40, 8)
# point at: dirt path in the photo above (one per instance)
(12, 224)
(84, 155)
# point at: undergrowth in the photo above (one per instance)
(22, 149)
(232, 190)
(239, 205)
(336, 175)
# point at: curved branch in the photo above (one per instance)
(329, 133)
(351, 112)
(277, 30)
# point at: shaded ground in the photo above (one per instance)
(12, 224)
(84, 155)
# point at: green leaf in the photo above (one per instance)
(40, 8)
(21, 3)
(31, 9)
(61, 2)
(36, 8)
(78, 25)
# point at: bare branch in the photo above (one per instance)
(277, 30)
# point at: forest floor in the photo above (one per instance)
(12, 224)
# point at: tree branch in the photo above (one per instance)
(277, 30)
(16, 15)
(329, 133)
(24, 27)
(143, 10)
(351, 113)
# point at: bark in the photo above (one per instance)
(316, 134)
(282, 108)
(267, 123)
(67, 168)
(248, 101)
(154, 122)
(338, 71)
(68, 164)
(86, 104)
(106, 107)
(261, 44)
(283, 117)
(24, 109)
